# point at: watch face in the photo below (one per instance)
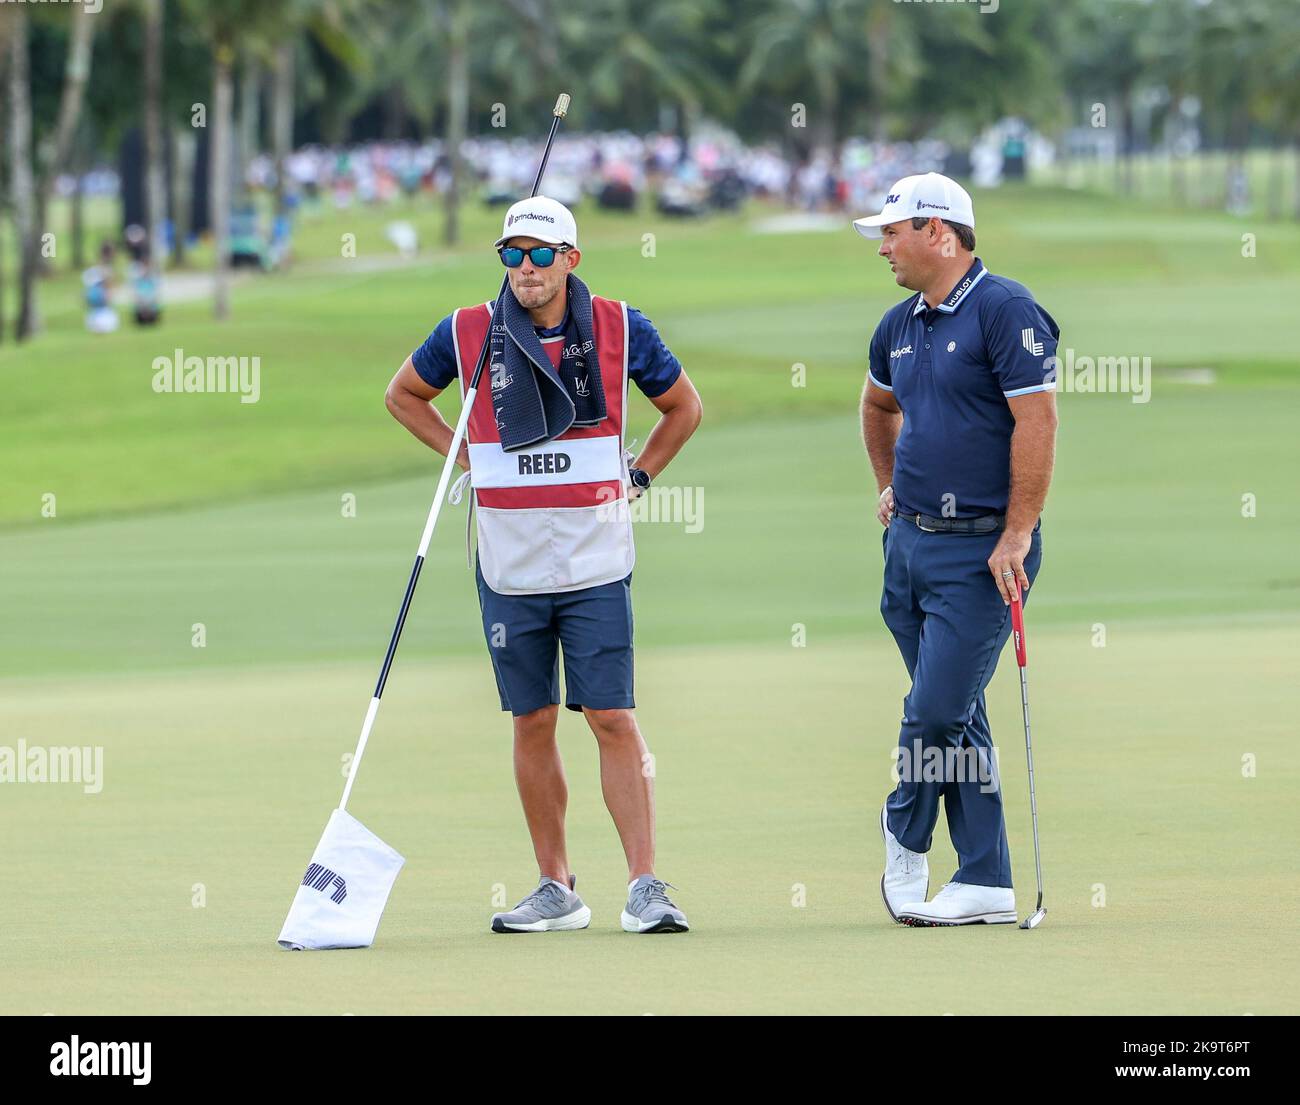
(640, 478)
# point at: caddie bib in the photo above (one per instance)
(551, 517)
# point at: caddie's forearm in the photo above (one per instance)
(880, 429)
(670, 433)
(426, 423)
(1033, 452)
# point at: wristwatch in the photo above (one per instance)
(639, 477)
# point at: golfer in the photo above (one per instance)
(959, 420)
(545, 455)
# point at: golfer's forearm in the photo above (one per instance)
(670, 433)
(880, 430)
(1033, 452)
(424, 422)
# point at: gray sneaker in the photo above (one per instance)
(549, 908)
(649, 909)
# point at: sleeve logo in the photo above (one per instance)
(1027, 340)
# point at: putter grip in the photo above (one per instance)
(1018, 627)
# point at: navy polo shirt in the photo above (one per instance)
(951, 369)
(650, 364)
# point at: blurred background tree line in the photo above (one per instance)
(270, 75)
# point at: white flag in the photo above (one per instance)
(345, 889)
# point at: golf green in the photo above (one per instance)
(209, 603)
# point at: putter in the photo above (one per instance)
(1018, 634)
(343, 894)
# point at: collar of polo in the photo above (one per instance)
(553, 331)
(973, 276)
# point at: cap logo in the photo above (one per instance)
(512, 219)
(921, 206)
(893, 199)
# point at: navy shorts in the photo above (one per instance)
(592, 626)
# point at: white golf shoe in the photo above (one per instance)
(907, 873)
(960, 903)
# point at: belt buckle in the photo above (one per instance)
(923, 529)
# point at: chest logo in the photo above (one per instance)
(952, 347)
(894, 354)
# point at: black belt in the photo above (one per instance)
(987, 523)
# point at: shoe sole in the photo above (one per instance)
(999, 917)
(883, 897)
(578, 919)
(667, 923)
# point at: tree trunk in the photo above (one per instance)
(878, 21)
(1276, 182)
(78, 215)
(182, 173)
(2, 282)
(1127, 142)
(219, 178)
(1175, 129)
(250, 83)
(155, 153)
(22, 184)
(457, 113)
(55, 150)
(282, 120)
(1296, 184)
(1236, 185)
(393, 108)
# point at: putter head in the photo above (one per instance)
(1034, 919)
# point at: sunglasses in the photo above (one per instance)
(541, 256)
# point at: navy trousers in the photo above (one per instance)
(948, 618)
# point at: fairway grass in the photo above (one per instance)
(742, 310)
(1168, 880)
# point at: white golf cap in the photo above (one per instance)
(542, 218)
(920, 197)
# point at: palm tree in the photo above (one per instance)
(344, 31)
(1168, 52)
(54, 152)
(223, 59)
(647, 56)
(22, 187)
(817, 44)
(229, 24)
(975, 70)
(1234, 40)
(282, 117)
(155, 202)
(458, 15)
(1106, 66)
(250, 87)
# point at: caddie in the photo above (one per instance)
(959, 421)
(551, 485)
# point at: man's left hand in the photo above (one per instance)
(1008, 564)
